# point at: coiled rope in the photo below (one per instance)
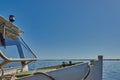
(50, 77)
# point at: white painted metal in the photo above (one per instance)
(7, 60)
(96, 70)
(76, 72)
(8, 74)
(11, 30)
(40, 76)
(11, 34)
(9, 71)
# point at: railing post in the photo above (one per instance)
(24, 65)
(100, 58)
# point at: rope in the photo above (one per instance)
(51, 78)
(2, 73)
(34, 72)
(87, 73)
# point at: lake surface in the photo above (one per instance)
(111, 70)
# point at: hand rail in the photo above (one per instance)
(7, 60)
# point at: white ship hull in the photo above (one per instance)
(75, 72)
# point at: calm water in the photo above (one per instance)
(111, 69)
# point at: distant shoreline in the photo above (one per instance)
(77, 59)
(74, 59)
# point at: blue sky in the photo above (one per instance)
(57, 29)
